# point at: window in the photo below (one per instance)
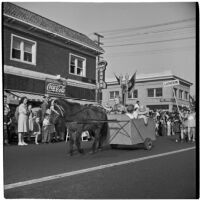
(180, 94)
(23, 50)
(77, 65)
(175, 92)
(186, 95)
(114, 94)
(158, 92)
(133, 95)
(154, 92)
(150, 92)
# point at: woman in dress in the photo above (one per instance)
(31, 119)
(22, 121)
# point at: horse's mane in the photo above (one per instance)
(64, 101)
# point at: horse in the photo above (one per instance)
(79, 118)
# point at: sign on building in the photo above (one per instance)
(101, 75)
(170, 83)
(54, 87)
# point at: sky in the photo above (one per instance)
(144, 37)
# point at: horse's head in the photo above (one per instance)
(56, 111)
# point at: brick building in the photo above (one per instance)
(150, 92)
(41, 57)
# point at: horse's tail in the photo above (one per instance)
(104, 130)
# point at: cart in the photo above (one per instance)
(129, 132)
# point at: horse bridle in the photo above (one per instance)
(61, 109)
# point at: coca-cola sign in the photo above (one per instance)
(55, 87)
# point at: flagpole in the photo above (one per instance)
(176, 103)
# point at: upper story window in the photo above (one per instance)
(158, 92)
(180, 94)
(175, 92)
(186, 95)
(154, 92)
(23, 50)
(114, 94)
(133, 95)
(77, 65)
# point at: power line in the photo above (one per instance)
(151, 42)
(145, 27)
(134, 53)
(149, 32)
(149, 37)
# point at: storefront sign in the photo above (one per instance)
(101, 74)
(167, 100)
(171, 83)
(54, 87)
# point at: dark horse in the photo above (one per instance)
(79, 118)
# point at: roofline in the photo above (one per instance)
(152, 79)
(80, 43)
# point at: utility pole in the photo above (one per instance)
(98, 90)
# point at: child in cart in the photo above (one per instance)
(36, 129)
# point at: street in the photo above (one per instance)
(47, 171)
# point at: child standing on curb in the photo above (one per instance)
(46, 131)
(36, 129)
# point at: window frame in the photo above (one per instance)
(154, 92)
(22, 51)
(175, 92)
(186, 95)
(84, 65)
(132, 95)
(115, 91)
(180, 92)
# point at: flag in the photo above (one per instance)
(192, 101)
(118, 79)
(131, 83)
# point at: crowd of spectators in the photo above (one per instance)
(27, 124)
(181, 124)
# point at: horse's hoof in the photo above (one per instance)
(82, 152)
(100, 149)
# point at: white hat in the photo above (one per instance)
(48, 111)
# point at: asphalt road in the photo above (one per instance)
(166, 176)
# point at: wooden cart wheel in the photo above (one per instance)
(148, 144)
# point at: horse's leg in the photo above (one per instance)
(96, 139)
(78, 141)
(71, 142)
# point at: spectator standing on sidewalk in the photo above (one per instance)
(46, 129)
(169, 127)
(36, 129)
(22, 121)
(192, 126)
(31, 118)
(6, 121)
(45, 105)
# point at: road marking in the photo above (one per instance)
(63, 175)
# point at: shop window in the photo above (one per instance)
(114, 94)
(77, 65)
(133, 95)
(23, 50)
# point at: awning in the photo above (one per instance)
(30, 97)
